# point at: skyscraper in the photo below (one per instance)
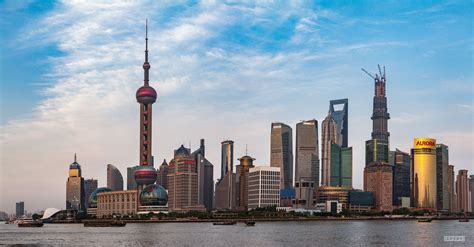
(442, 162)
(20, 209)
(162, 174)
(205, 171)
(281, 152)
(182, 181)
(376, 151)
(114, 178)
(131, 183)
(329, 136)
(227, 157)
(146, 96)
(340, 166)
(462, 191)
(380, 116)
(378, 174)
(90, 185)
(378, 178)
(340, 115)
(471, 191)
(451, 189)
(424, 173)
(401, 176)
(75, 187)
(246, 162)
(307, 151)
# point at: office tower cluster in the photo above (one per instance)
(305, 180)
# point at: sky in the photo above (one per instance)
(222, 70)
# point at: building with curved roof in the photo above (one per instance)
(49, 212)
(114, 178)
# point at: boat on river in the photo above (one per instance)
(105, 223)
(225, 223)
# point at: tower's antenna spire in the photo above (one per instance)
(146, 39)
(146, 65)
(245, 149)
(75, 157)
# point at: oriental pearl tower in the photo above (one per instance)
(146, 96)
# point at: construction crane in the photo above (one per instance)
(376, 77)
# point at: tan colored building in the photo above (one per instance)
(246, 162)
(123, 202)
(424, 188)
(182, 181)
(281, 152)
(378, 179)
(462, 191)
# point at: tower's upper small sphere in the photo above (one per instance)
(146, 95)
(146, 65)
(145, 175)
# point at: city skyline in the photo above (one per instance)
(82, 92)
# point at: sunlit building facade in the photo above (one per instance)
(424, 188)
(75, 187)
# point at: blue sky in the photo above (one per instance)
(69, 71)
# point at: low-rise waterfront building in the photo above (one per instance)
(331, 193)
(123, 202)
(264, 187)
(361, 200)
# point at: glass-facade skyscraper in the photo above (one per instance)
(341, 166)
(401, 176)
(20, 209)
(376, 150)
(281, 154)
(307, 151)
(227, 157)
(442, 162)
(114, 178)
(340, 115)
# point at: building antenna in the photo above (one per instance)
(245, 149)
(380, 71)
(75, 157)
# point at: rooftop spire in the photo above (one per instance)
(146, 65)
(75, 157)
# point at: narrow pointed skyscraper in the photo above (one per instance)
(146, 96)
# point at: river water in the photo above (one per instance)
(316, 233)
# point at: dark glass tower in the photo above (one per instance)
(401, 176)
(340, 115)
(380, 116)
(442, 162)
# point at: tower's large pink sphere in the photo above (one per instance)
(146, 95)
(145, 175)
